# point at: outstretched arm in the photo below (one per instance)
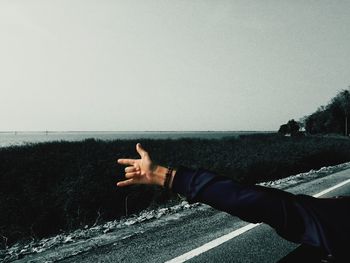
(250, 203)
(298, 218)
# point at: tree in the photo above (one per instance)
(345, 105)
(292, 128)
(283, 129)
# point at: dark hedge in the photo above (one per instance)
(47, 188)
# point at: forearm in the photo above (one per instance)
(250, 203)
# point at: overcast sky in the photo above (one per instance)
(169, 65)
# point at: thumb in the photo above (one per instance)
(140, 150)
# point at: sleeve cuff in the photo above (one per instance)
(182, 180)
(190, 182)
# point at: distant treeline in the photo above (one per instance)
(330, 119)
(59, 186)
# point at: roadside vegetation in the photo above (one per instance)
(49, 188)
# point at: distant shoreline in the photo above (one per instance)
(187, 131)
(17, 138)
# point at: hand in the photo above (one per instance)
(142, 171)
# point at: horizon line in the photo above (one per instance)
(86, 131)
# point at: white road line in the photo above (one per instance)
(216, 242)
(332, 188)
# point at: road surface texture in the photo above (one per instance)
(169, 238)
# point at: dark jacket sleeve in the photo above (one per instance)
(251, 203)
(318, 222)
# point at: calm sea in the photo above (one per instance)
(21, 138)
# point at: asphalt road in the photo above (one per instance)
(172, 236)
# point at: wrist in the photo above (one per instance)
(160, 173)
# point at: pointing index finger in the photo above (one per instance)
(126, 161)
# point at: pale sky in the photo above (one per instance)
(169, 65)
